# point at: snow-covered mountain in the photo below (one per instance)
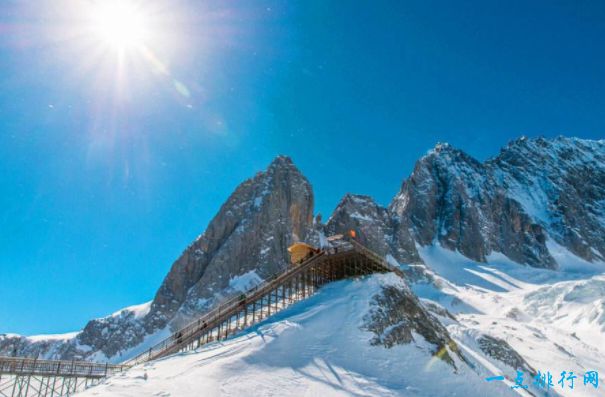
(503, 317)
(507, 255)
(560, 184)
(319, 347)
(244, 243)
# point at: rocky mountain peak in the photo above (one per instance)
(249, 234)
(282, 162)
(358, 210)
(536, 189)
(536, 194)
(357, 200)
(560, 184)
(543, 151)
(445, 156)
(442, 147)
(244, 243)
(375, 225)
(453, 199)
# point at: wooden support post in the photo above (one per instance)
(62, 386)
(309, 279)
(294, 290)
(269, 303)
(284, 302)
(321, 275)
(310, 282)
(46, 387)
(333, 270)
(29, 378)
(55, 381)
(307, 284)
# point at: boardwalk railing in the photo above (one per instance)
(276, 292)
(383, 262)
(220, 311)
(31, 366)
(27, 377)
(23, 377)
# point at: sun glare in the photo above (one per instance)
(120, 24)
(125, 38)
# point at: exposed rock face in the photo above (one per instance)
(101, 338)
(20, 346)
(375, 226)
(535, 189)
(502, 351)
(397, 314)
(454, 199)
(561, 184)
(244, 243)
(534, 192)
(251, 232)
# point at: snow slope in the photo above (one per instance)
(314, 348)
(554, 319)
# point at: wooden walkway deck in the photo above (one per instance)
(28, 377)
(24, 377)
(294, 284)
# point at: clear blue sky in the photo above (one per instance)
(108, 172)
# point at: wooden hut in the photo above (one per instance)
(299, 252)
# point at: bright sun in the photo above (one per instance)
(124, 35)
(120, 24)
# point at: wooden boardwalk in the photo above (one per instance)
(24, 377)
(294, 284)
(28, 377)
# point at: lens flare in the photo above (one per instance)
(120, 24)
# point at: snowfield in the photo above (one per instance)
(314, 348)
(554, 319)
